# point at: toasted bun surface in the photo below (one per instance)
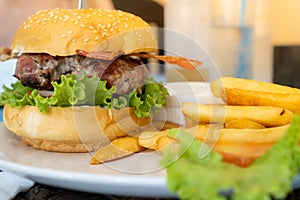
(71, 129)
(59, 32)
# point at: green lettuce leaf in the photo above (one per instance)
(86, 91)
(270, 176)
(153, 98)
(16, 96)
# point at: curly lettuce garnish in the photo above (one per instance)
(74, 91)
(269, 177)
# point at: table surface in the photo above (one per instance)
(40, 192)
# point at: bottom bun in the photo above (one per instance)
(72, 129)
(60, 146)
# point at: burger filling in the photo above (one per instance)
(110, 80)
(39, 70)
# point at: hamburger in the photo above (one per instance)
(81, 80)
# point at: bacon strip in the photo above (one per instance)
(176, 60)
(100, 55)
(6, 54)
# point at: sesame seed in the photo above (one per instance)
(70, 32)
(96, 38)
(91, 27)
(126, 25)
(108, 25)
(111, 30)
(74, 40)
(85, 43)
(79, 17)
(63, 35)
(50, 14)
(85, 40)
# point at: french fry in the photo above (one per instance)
(240, 154)
(163, 142)
(149, 139)
(237, 136)
(238, 91)
(118, 148)
(243, 123)
(169, 125)
(223, 140)
(266, 115)
(161, 125)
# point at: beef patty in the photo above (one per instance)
(39, 70)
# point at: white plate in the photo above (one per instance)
(137, 175)
(7, 70)
(197, 92)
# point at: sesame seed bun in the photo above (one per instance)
(59, 32)
(71, 129)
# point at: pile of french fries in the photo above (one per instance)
(253, 117)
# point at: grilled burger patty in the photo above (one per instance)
(39, 70)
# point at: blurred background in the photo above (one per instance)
(243, 38)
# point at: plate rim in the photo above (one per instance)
(119, 183)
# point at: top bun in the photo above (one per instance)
(59, 32)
